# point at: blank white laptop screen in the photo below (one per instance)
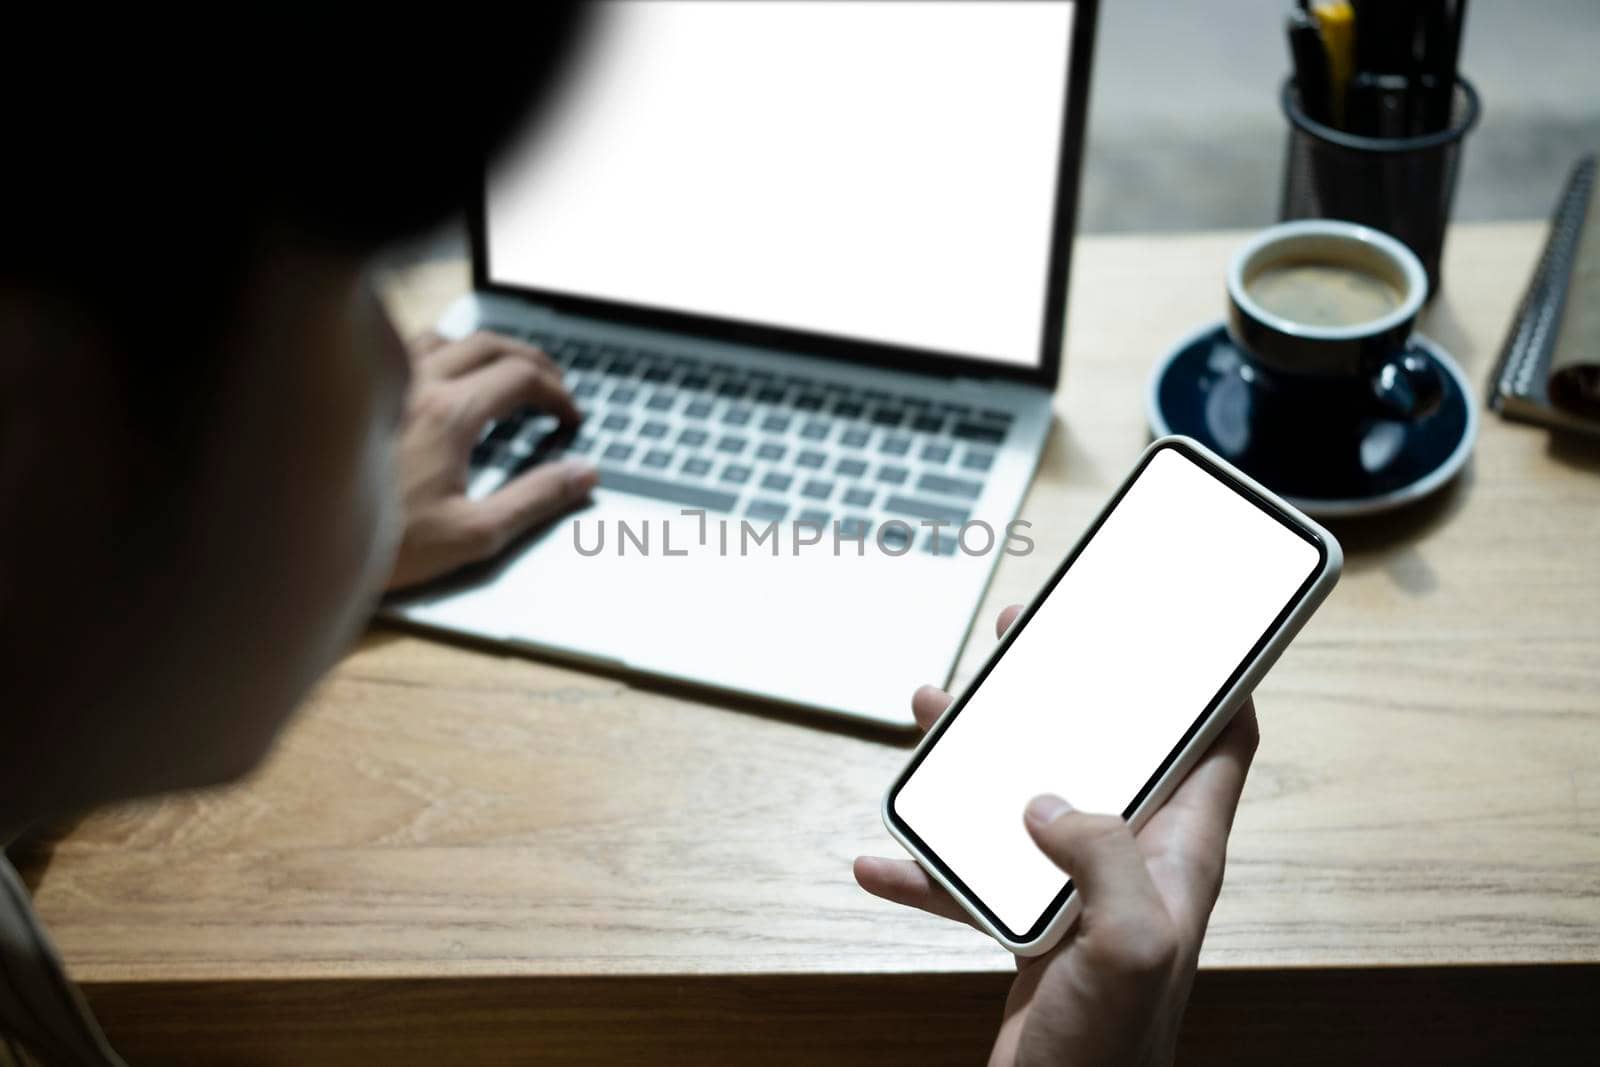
(1160, 608)
(874, 171)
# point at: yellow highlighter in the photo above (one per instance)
(1337, 21)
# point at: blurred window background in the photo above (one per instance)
(1185, 132)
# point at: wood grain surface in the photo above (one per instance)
(1427, 792)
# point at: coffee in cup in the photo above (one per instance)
(1323, 309)
(1323, 293)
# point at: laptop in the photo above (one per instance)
(804, 267)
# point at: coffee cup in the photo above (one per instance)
(1323, 311)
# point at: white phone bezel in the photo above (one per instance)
(1219, 717)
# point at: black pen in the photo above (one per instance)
(1311, 77)
(1440, 62)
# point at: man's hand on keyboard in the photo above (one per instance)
(457, 389)
(1113, 992)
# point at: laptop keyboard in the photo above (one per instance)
(751, 443)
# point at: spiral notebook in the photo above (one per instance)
(1549, 368)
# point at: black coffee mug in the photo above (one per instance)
(1354, 370)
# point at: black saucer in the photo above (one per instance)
(1368, 464)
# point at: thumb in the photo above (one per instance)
(535, 497)
(1100, 855)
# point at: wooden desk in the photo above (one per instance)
(457, 856)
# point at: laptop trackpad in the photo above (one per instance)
(712, 599)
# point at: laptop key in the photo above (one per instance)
(778, 483)
(927, 424)
(503, 431)
(851, 468)
(692, 496)
(978, 460)
(731, 445)
(808, 402)
(847, 409)
(815, 430)
(695, 380)
(657, 457)
(653, 429)
(736, 416)
(895, 445)
(693, 438)
(771, 451)
(775, 423)
(811, 459)
(581, 445)
(894, 537)
(586, 389)
(733, 390)
(616, 423)
(854, 528)
(814, 517)
(657, 372)
(892, 475)
(939, 483)
(936, 453)
(697, 409)
(536, 432)
(623, 394)
(888, 416)
(618, 451)
(978, 431)
(769, 510)
(917, 508)
(696, 466)
(817, 489)
(858, 498)
(737, 473)
(770, 394)
(855, 437)
(660, 401)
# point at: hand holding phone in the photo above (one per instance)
(1115, 991)
(1122, 695)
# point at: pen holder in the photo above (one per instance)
(1400, 185)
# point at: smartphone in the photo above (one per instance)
(1112, 682)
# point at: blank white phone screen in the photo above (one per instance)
(1163, 604)
(877, 171)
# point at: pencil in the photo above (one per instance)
(1337, 22)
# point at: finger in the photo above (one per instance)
(927, 704)
(1191, 829)
(425, 344)
(904, 882)
(510, 383)
(479, 349)
(1104, 862)
(1007, 617)
(531, 499)
(1217, 781)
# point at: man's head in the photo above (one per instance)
(197, 391)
